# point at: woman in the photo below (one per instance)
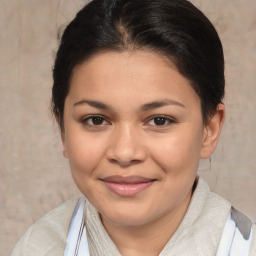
(138, 90)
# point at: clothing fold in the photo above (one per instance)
(200, 232)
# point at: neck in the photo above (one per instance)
(150, 238)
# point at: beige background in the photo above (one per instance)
(34, 175)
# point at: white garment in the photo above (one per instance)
(199, 233)
(232, 242)
(77, 243)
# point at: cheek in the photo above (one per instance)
(178, 153)
(84, 153)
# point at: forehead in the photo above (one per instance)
(129, 76)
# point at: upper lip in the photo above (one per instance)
(127, 180)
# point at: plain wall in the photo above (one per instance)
(35, 176)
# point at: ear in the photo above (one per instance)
(212, 132)
(62, 134)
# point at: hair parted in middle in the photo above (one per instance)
(175, 29)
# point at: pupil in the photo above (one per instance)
(159, 120)
(97, 120)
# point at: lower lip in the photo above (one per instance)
(127, 190)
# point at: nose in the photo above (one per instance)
(125, 147)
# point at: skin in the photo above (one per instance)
(127, 140)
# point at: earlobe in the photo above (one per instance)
(212, 132)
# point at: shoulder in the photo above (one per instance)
(212, 213)
(218, 209)
(48, 235)
(252, 251)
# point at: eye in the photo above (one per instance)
(95, 121)
(160, 121)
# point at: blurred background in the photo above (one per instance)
(35, 177)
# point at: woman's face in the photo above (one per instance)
(133, 134)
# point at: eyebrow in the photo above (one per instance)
(159, 104)
(145, 107)
(93, 103)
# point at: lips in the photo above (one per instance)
(127, 186)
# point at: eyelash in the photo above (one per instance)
(165, 119)
(85, 121)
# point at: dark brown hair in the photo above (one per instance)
(173, 28)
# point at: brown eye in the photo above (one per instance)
(95, 121)
(160, 121)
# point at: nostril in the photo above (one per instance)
(135, 161)
(114, 161)
(124, 163)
